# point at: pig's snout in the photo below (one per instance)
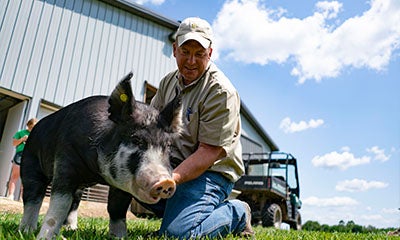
(164, 188)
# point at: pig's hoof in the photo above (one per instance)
(163, 189)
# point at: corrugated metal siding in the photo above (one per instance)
(251, 141)
(65, 50)
(251, 146)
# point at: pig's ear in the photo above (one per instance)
(171, 116)
(122, 101)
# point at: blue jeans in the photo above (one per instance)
(199, 209)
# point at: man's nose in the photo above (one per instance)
(191, 58)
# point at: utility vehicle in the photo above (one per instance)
(271, 187)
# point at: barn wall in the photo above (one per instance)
(60, 51)
(64, 50)
(251, 141)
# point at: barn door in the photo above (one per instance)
(13, 123)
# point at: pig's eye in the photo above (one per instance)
(133, 162)
(139, 142)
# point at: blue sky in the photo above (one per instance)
(322, 78)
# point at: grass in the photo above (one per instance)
(97, 228)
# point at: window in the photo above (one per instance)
(149, 93)
(46, 109)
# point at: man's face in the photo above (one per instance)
(192, 59)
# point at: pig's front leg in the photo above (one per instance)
(118, 204)
(60, 203)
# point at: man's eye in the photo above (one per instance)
(200, 55)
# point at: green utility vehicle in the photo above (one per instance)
(271, 187)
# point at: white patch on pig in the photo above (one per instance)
(72, 220)
(151, 168)
(122, 174)
(58, 210)
(155, 165)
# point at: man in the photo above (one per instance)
(207, 156)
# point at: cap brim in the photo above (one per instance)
(193, 36)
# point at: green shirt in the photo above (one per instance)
(20, 134)
(210, 114)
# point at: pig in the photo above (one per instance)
(113, 140)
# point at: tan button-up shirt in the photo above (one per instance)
(211, 115)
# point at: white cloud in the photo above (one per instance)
(345, 149)
(290, 127)
(330, 202)
(154, 2)
(341, 160)
(250, 32)
(331, 210)
(379, 153)
(391, 211)
(359, 185)
(379, 219)
(333, 213)
(329, 9)
(375, 217)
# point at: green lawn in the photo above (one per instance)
(97, 228)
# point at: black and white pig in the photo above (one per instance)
(109, 140)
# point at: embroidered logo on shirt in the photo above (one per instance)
(188, 113)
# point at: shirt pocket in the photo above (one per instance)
(192, 124)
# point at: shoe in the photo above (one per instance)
(248, 230)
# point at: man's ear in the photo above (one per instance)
(174, 48)
(210, 50)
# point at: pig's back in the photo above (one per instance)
(67, 131)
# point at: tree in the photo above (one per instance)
(311, 226)
(350, 226)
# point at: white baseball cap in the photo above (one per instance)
(194, 28)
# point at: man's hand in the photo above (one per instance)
(197, 163)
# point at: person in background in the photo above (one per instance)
(207, 156)
(19, 140)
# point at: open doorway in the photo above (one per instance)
(12, 112)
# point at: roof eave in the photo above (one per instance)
(143, 12)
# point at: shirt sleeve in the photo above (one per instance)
(219, 117)
(17, 135)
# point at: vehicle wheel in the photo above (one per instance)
(272, 216)
(297, 224)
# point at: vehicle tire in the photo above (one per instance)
(296, 225)
(271, 216)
